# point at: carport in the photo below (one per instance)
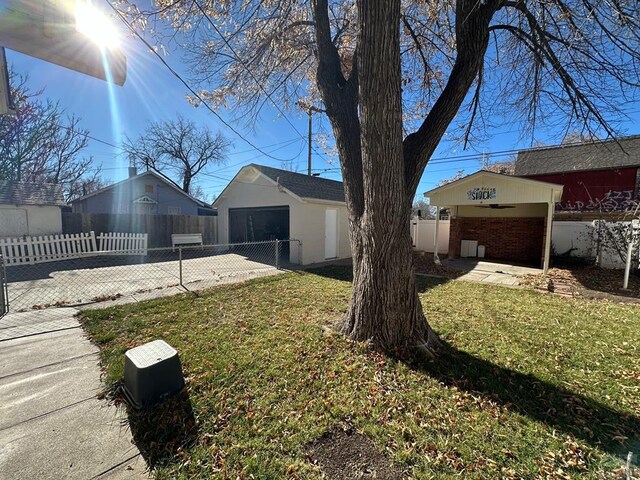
(499, 217)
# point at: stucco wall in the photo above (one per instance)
(306, 220)
(310, 222)
(16, 221)
(120, 199)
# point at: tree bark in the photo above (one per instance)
(385, 308)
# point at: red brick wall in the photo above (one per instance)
(513, 239)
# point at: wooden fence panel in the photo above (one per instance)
(157, 227)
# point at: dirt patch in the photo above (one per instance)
(587, 282)
(424, 264)
(348, 455)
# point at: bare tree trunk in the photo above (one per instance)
(186, 181)
(381, 170)
(385, 308)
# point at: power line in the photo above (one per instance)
(187, 86)
(253, 77)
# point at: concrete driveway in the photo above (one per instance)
(58, 283)
(52, 423)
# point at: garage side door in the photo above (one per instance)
(331, 233)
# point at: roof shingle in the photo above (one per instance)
(31, 193)
(305, 186)
(623, 153)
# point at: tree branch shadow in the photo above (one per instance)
(594, 422)
(344, 273)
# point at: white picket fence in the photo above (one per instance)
(52, 248)
(123, 243)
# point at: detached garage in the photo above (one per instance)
(263, 204)
(30, 208)
(499, 217)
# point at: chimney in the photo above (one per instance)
(133, 171)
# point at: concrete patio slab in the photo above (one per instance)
(55, 284)
(494, 273)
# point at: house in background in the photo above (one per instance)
(28, 208)
(601, 177)
(264, 203)
(146, 193)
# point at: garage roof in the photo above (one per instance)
(30, 193)
(304, 186)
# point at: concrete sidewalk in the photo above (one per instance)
(52, 425)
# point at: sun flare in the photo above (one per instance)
(95, 25)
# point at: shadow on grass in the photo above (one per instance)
(596, 423)
(345, 274)
(163, 430)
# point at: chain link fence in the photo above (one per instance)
(105, 276)
(4, 294)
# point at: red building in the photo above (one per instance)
(602, 176)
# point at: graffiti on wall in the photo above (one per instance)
(613, 200)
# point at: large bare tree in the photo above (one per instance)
(180, 148)
(42, 143)
(393, 77)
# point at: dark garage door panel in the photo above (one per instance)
(258, 224)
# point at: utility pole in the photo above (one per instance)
(485, 160)
(309, 146)
(310, 109)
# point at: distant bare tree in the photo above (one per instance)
(41, 143)
(422, 208)
(508, 167)
(179, 149)
(290, 165)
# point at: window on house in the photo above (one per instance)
(148, 188)
(174, 210)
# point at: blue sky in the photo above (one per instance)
(152, 93)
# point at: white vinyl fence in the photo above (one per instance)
(581, 240)
(52, 248)
(422, 234)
